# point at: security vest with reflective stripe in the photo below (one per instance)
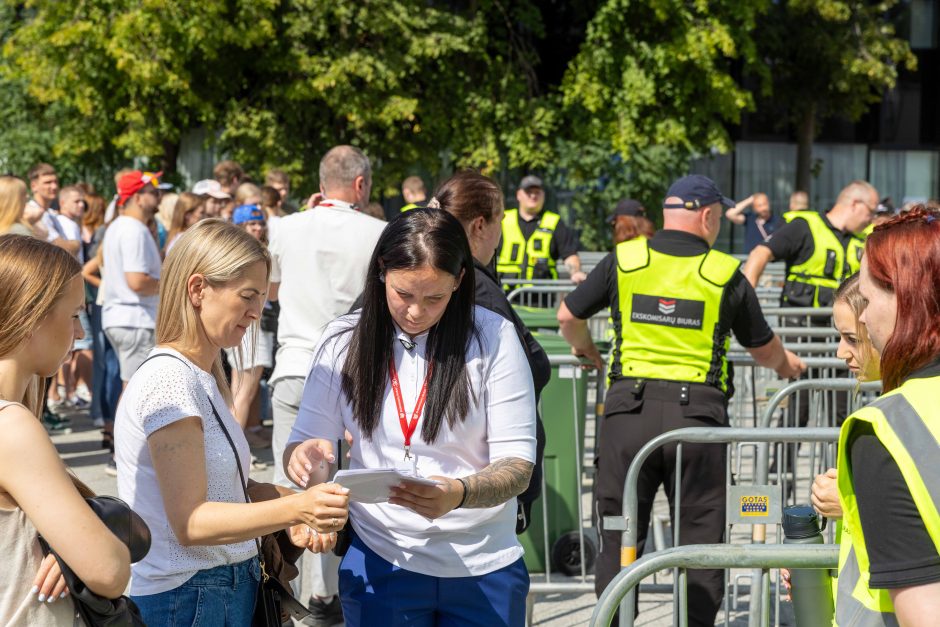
(796, 213)
(409, 207)
(830, 262)
(518, 256)
(669, 311)
(907, 422)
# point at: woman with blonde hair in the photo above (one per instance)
(190, 209)
(180, 452)
(13, 197)
(41, 293)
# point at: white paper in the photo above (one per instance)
(373, 485)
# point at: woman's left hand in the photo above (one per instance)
(431, 501)
(308, 538)
(49, 583)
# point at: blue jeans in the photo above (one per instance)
(223, 596)
(375, 592)
(106, 383)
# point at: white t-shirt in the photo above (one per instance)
(464, 542)
(319, 258)
(161, 392)
(50, 221)
(73, 232)
(128, 247)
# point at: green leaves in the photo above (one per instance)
(608, 98)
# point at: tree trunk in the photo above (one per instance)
(171, 151)
(805, 133)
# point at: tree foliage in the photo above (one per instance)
(826, 58)
(652, 85)
(608, 98)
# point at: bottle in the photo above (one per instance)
(810, 588)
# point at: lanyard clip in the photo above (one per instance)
(407, 452)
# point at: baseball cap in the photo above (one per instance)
(530, 181)
(210, 187)
(627, 207)
(247, 213)
(695, 191)
(134, 181)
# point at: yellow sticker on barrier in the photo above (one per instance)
(627, 555)
(755, 506)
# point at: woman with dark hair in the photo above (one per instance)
(889, 489)
(477, 201)
(420, 353)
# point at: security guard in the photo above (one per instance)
(675, 303)
(414, 192)
(889, 487)
(819, 250)
(534, 239)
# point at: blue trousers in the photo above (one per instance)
(223, 596)
(374, 592)
(106, 383)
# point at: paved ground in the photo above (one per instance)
(82, 452)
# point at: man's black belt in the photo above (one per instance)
(661, 390)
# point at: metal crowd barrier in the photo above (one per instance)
(547, 293)
(693, 556)
(822, 402)
(770, 495)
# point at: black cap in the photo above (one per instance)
(530, 181)
(695, 191)
(627, 207)
(800, 521)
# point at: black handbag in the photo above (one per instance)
(275, 602)
(130, 528)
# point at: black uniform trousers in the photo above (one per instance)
(631, 420)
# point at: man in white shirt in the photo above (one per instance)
(320, 258)
(131, 272)
(71, 210)
(44, 185)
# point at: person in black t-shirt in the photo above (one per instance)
(669, 370)
(533, 239)
(819, 250)
(889, 489)
(477, 202)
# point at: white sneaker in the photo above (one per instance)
(97, 423)
(58, 407)
(82, 392)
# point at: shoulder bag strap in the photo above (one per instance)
(238, 463)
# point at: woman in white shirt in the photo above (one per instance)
(427, 382)
(176, 463)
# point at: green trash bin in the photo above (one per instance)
(563, 404)
(538, 319)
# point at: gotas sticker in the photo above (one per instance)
(669, 312)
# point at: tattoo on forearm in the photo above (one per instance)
(497, 483)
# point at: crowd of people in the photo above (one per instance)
(181, 321)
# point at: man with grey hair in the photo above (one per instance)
(818, 250)
(319, 262)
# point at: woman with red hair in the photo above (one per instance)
(889, 451)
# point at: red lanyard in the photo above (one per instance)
(408, 428)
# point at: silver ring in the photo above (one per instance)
(335, 522)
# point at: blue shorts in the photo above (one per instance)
(374, 592)
(223, 596)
